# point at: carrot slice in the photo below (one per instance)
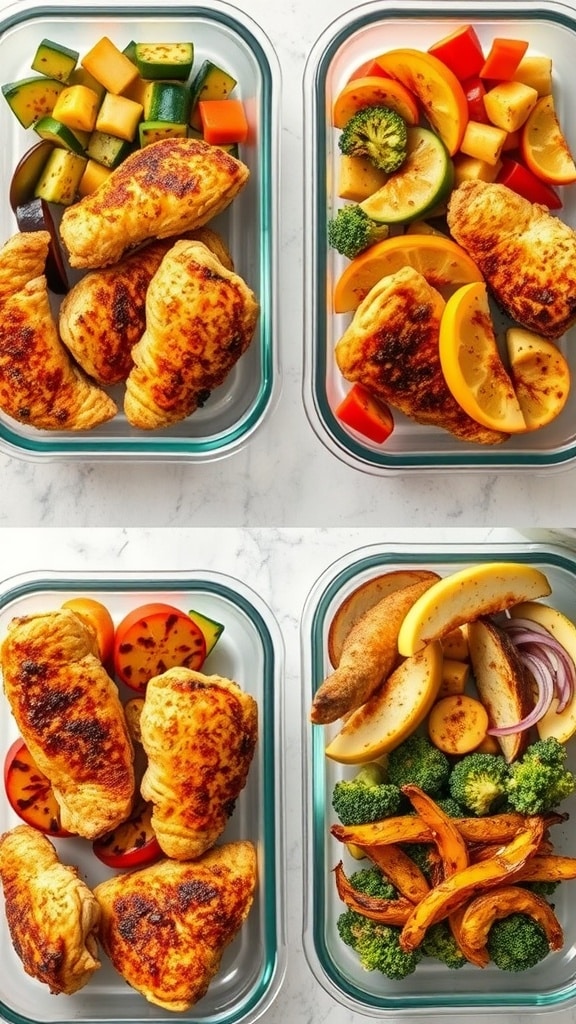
(223, 121)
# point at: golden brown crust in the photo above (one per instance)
(165, 927)
(69, 714)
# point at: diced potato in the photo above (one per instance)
(455, 644)
(119, 116)
(509, 104)
(536, 72)
(77, 107)
(359, 178)
(94, 175)
(484, 141)
(455, 675)
(471, 168)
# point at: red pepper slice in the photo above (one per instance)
(475, 91)
(521, 180)
(365, 414)
(503, 59)
(461, 51)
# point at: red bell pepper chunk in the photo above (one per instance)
(475, 91)
(503, 59)
(521, 180)
(368, 69)
(461, 51)
(366, 414)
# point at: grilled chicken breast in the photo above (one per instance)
(200, 318)
(527, 256)
(199, 733)
(69, 714)
(52, 915)
(391, 347)
(167, 188)
(166, 927)
(103, 315)
(39, 384)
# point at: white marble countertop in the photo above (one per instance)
(281, 565)
(285, 475)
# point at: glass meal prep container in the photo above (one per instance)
(350, 40)
(432, 988)
(230, 39)
(250, 651)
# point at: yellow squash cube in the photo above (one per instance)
(119, 116)
(77, 108)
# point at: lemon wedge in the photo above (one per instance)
(540, 374)
(472, 365)
(544, 146)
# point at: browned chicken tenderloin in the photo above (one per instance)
(200, 318)
(167, 188)
(166, 927)
(527, 256)
(391, 347)
(104, 314)
(69, 714)
(199, 733)
(39, 384)
(52, 915)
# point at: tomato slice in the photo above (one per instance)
(30, 793)
(154, 638)
(132, 843)
(96, 615)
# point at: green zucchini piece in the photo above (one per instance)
(60, 178)
(31, 98)
(107, 149)
(210, 83)
(54, 60)
(164, 60)
(58, 134)
(423, 181)
(167, 101)
(26, 174)
(130, 51)
(211, 629)
(153, 131)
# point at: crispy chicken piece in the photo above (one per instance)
(39, 384)
(163, 190)
(166, 927)
(200, 318)
(69, 714)
(52, 914)
(199, 733)
(527, 256)
(391, 347)
(103, 315)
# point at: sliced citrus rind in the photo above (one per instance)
(540, 374)
(372, 91)
(544, 145)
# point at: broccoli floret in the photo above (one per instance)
(541, 888)
(377, 945)
(451, 807)
(440, 944)
(423, 856)
(517, 943)
(478, 782)
(378, 133)
(352, 231)
(366, 797)
(372, 882)
(418, 761)
(539, 781)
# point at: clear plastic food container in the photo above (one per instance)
(229, 38)
(353, 38)
(433, 988)
(250, 651)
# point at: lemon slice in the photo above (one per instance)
(471, 362)
(440, 260)
(544, 146)
(540, 374)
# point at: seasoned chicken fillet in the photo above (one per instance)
(103, 315)
(527, 256)
(166, 927)
(391, 347)
(39, 384)
(167, 188)
(200, 318)
(69, 714)
(199, 733)
(52, 915)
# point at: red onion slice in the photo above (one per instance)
(545, 683)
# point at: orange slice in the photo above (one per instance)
(540, 374)
(440, 260)
(544, 146)
(471, 362)
(374, 92)
(437, 89)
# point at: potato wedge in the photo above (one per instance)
(560, 725)
(484, 910)
(365, 597)
(466, 595)
(504, 685)
(369, 654)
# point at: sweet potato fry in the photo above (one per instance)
(375, 907)
(457, 889)
(449, 840)
(409, 828)
(400, 869)
(483, 910)
(548, 868)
